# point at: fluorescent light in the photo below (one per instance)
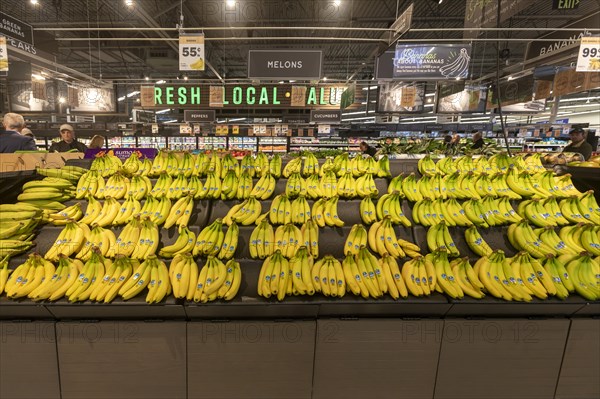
(185, 78)
(146, 77)
(429, 94)
(370, 88)
(129, 3)
(159, 82)
(37, 77)
(34, 2)
(237, 119)
(133, 93)
(171, 121)
(121, 98)
(230, 3)
(337, 2)
(364, 118)
(163, 111)
(325, 78)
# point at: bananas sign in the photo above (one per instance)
(439, 62)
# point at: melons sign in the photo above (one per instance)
(235, 96)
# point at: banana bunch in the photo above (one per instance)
(245, 185)
(371, 277)
(128, 209)
(382, 238)
(365, 186)
(275, 166)
(409, 248)
(548, 180)
(183, 272)
(313, 187)
(63, 277)
(524, 238)
(70, 173)
(356, 239)
(19, 212)
(51, 185)
(569, 210)
(159, 164)
(295, 186)
(230, 242)
(288, 238)
(281, 210)
(565, 186)
(275, 277)
(212, 186)
(347, 186)
(383, 167)
(293, 166)
(101, 240)
(368, 212)
(462, 186)
(501, 162)
(328, 277)
(264, 188)
(359, 165)
(328, 166)
(524, 184)
(432, 187)
(200, 166)
(310, 165)
(89, 278)
(438, 237)
(229, 185)
(500, 185)
(325, 212)
(467, 278)
(389, 205)
(584, 271)
(108, 212)
(533, 162)
(106, 164)
(247, 165)
(328, 185)
(428, 213)
(157, 210)
(493, 211)
(476, 242)
(4, 273)
(341, 164)
(27, 277)
(185, 242)
(161, 186)
(117, 186)
(172, 164)
(262, 240)
(185, 165)
(148, 240)
(446, 166)
(245, 213)
(310, 236)
(153, 274)
(180, 212)
(217, 280)
(116, 274)
(465, 163)
(195, 187)
(146, 167)
(445, 280)
(300, 210)
(210, 240)
(40, 192)
(132, 164)
(21, 230)
(426, 166)
(229, 164)
(178, 188)
(396, 185)
(139, 187)
(590, 239)
(129, 238)
(69, 240)
(410, 188)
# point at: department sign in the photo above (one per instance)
(199, 116)
(325, 116)
(285, 64)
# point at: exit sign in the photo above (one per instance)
(565, 4)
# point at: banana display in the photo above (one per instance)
(110, 242)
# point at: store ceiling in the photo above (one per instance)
(351, 33)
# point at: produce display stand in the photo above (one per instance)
(302, 347)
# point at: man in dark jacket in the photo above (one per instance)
(579, 144)
(68, 142)
(11, 139)
(367, 149)
(477, 140)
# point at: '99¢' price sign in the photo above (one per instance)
(589, 54)
(191, 53)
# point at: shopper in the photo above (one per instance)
(456, 139)
(448, 141)
(68, 142)
(97, 142)
(579, 144)
(477, 140)
(11, 139)
(27, 132)
(367, 149)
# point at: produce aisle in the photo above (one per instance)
(304, 346)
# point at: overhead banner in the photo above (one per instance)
(400, 97)
(191, 52)
(3, 56)
(285, 64)
(325, 116)
(569, 81)
(589, 54)
(348, 96)
(484, 14)
(426, 62)
(199, 116)
(15, 29)
(401, 25)
(451, 99)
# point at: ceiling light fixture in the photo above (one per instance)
(34, 2)
(146, 77)
(325, 78)
(159, 82)
(440, 2)
(61, 100)
(337, 2)
(129, 3)
(185, 78)
(230, 3)
(37, 77)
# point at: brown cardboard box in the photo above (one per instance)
(31, 160)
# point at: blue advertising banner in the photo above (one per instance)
(427, 62)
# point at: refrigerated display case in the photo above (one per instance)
(273, 144)
(157, 142)
(125, 142)
(243, 144)
(183, 143)
(313, 143)
(212, 143)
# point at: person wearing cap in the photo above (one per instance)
(11, 139)
(68, 142)
(477, 140)
(579, 144)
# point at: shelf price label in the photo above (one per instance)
(191, 52)
(589, 54)
(3, 55)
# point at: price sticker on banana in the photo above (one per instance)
(3, 55)
(191, 52)
(589, 54)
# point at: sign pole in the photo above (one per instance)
(498, 99)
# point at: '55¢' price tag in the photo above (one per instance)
(191, 52)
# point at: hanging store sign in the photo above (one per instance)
(285, 64)
(15, 29)
(484, 14)
(3, 56)
(384, 66)
(325, 116)
(589, 54)
(191, 52)
(401, 25)
(426, 62)
(234, 96)
(199, 116)
(565, 4)
(569, 81)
